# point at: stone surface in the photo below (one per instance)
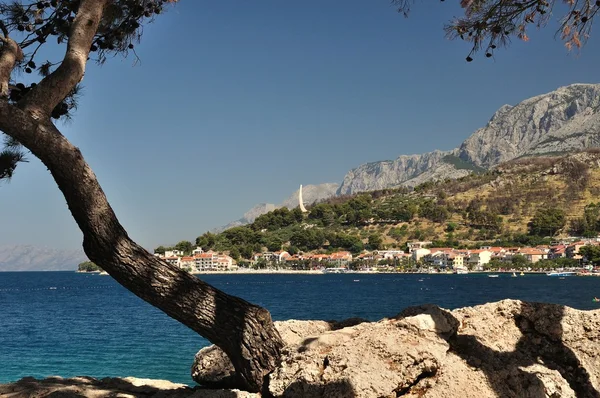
(212, 368)
(114, 387)
(507, 349)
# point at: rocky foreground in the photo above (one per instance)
(504, 349)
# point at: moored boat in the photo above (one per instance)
(335, 270)
(561, 274)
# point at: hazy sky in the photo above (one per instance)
(238, 102)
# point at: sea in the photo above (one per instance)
(70, 324)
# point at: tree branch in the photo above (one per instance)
(56, 86)
(244, 331)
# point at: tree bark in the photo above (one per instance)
(242, 330)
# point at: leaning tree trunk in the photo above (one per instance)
(244, 331)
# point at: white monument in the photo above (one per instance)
(302, 208)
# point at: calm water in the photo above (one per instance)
(68, 324)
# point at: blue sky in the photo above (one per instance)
(238, 102)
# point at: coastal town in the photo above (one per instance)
(419, 257)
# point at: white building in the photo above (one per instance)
(174, 252)
(212, 261)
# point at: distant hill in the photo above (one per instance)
(310, 193)
(35, 258)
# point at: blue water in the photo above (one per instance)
(90, 325)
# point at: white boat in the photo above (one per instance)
(103, 273)
(493, 276)
(335, 270)
(461, 271)
(562, 274)
(514, 275)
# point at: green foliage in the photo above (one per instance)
(308, 239)
(591, 253)
(398, 233)
(461, 164)
(274, 244)
(344, 241)
(589, 224)
(375, 242)
(241, 236)
(518, 261)
(430, 210)
(235, 253)
(277, 219)
(324, 213)
(547, 222)
(88, 266)
(185, 246)
(451, 226)
(206, 241)
(160, 250)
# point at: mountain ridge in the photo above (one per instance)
(39, 258)
(564, 120)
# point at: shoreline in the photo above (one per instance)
(320, 272)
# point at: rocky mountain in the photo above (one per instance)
(35, 258)
(564, 120)
(310, 193)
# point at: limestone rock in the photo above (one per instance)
(110, 387)
(213, 368)
(507, 349)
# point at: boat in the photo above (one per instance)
(461, 271)
(103, 273)
(514, 275)
(561, 274)
(493, 276)
(522, 274)
(335, 270)
(596, 300)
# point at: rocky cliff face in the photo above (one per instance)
(564, 120)
(389, 174)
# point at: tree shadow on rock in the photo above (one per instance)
(83, 387)
(338, 389)
(540, 344)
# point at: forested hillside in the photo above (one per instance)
(524, 202)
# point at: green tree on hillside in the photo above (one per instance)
(206, 241)
(324, 213)
(274, 244)
(160, 250)
(185, 246)
(547, 222)
(375, 242)
(591, 253)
